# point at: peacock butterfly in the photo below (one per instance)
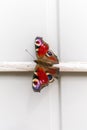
(44, 72)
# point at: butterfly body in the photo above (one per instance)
(44, 72)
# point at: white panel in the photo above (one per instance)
(20, 108)
(73, 47)
(73, 30)
(74, 101)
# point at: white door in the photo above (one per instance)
(21, 108)
(73, 47)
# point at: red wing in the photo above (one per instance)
(43, 53)
(42, 77)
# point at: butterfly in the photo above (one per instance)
(44, 73)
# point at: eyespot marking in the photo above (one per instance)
(38, 41)
(36, 84)
(50, 77)
(49, 53)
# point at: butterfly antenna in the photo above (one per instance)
(30, 54)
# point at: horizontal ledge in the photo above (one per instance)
(17, 66)
(29, 66)
(72, 66)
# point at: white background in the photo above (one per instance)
(20, 22)
(73, 47)
(62, 105)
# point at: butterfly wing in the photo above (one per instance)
(42, 77)
(44, 73)
(43, 53)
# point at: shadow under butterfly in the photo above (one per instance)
(44, 73)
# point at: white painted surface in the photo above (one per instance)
(30, 66)
(73, 47)
(20, 108)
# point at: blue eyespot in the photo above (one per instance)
(49, 53)
(50, 77)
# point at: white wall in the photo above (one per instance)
(73, 47)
